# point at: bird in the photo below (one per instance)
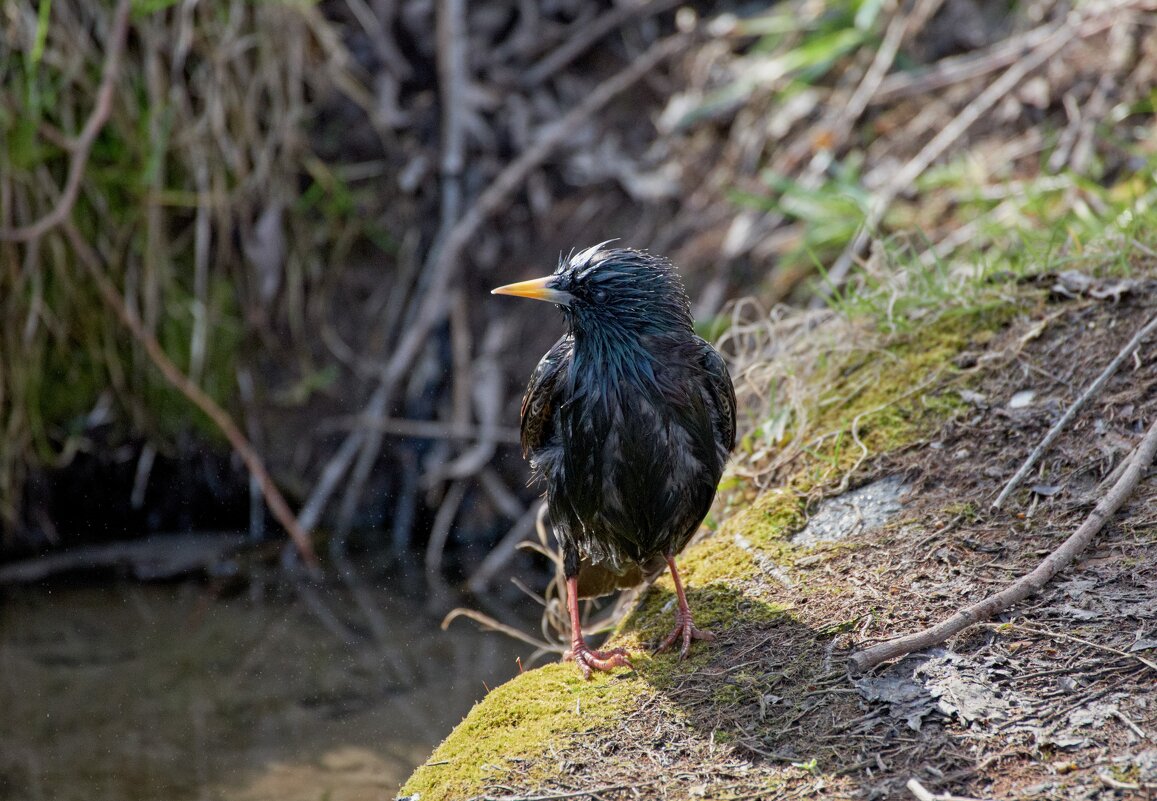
(628, 422)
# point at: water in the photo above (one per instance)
(137, 692)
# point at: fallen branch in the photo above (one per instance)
(156, 558)
(193, 392)
(1059, 426)
(1054, 563)
(81, 146)
(922, 793)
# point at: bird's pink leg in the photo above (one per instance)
(580, 652)
(684, 626)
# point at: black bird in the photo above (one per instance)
(628, 421)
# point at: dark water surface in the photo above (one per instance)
(136, 692)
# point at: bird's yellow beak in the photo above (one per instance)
(536, 289)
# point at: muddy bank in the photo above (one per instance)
(1055, 699)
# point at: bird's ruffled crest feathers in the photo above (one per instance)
(583, 257)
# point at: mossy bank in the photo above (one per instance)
(840, 411)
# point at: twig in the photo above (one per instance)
(1025, 586)
(82, 145)
(1129, 724)
(504, 551)
(194, 393)
(482, 389)
(922, 793)
(334, 469)
(453, 77)
(895, 33)
(453, 80)
(587, 34)
(1116, 784)
(505, 500)
(957, 69)
(554, 135)
(439, 534)
(1060, 635)
(1059, 426)
(375, 27)
(493, 624)
(594, 791)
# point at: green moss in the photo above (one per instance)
(887, 396)
(519, 721)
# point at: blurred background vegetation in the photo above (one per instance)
(304, 204)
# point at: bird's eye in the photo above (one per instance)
(599, 295)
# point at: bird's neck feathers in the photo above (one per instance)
(609, 341)
(630, 330)
(610, 356)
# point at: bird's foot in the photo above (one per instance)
(686, 631)
(589, 660)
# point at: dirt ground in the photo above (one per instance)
(1055, 700)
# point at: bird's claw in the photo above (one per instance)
(589, 660)
(684, 629)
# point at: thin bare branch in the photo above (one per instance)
(1059, 426)
(1060, 635)
(504, 551)
(587, 34)
(593, 792)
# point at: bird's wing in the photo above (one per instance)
(722, 393)
(538, 402)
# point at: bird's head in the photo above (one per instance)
(612, 291)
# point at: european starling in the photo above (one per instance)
(628, 421)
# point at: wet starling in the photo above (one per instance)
(628, 421)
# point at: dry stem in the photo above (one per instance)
(82, 145)
(956, 128)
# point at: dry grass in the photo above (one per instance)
(184, 199)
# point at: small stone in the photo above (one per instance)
(1021, 399)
